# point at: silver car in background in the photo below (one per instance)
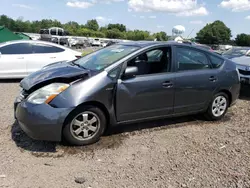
(241, 56)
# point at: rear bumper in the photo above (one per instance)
(40, 122)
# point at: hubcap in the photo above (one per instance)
(219, 106)
(85, 125)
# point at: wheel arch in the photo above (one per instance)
(229, 94)
(90, 103)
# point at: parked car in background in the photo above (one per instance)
(103, 44)
(122, 83)
(111, 43)
(241, 56)
(20, 58)
(96, 42)
(236, 52)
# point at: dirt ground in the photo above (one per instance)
(180, 152)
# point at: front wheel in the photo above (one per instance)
(218, 107)
(85, 126)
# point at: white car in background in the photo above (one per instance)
(20, 58)
(96, 42)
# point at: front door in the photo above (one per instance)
(13, 60)
(195, 82)
(149, 94)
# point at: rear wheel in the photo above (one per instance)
(218, 107)
(85, 126)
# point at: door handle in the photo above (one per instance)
(52, 57)
(167, 84)
(212, 79)
(20, 58)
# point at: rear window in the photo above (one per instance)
(44, 48)
(215, 61)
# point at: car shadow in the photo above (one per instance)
(10, 80)
(159, 124)
(245, 92)
(24, 142)
(112, 138)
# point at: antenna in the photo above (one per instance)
(190, 33)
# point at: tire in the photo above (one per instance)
(211, 114)
(84, 126)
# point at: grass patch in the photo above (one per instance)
(86, 52)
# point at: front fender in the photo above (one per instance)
(98, 89)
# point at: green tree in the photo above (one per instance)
(242, 40)
(7, 22)
(103, 29)
(84, 32)
(120, 27)
(214, 33)
(114, 34)
(92, 24)
(161, 36)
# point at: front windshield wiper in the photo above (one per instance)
(76, 64)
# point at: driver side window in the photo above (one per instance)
(153, 61)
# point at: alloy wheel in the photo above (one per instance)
(219, 106)
(85, 125)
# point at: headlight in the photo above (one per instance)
(47, 93)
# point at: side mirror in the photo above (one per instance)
(130, 72)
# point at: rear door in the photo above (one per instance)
(43, 54)
(13, 60)
(195, 82)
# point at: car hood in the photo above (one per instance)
(243, 60)
(231, 56)
(56, 72)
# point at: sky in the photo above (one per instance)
(151, 15)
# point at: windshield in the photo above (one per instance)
(101, 59)
(236, 51)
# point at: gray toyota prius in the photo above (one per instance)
(124, 83)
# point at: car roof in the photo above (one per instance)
(34, 41)
(29, 41)
(143, 44)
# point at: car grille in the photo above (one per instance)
(244, 72)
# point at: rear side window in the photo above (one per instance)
(215, 61)
(44, 48)
(15, 49)
(191, 59)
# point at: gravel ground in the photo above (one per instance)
(181, 152)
